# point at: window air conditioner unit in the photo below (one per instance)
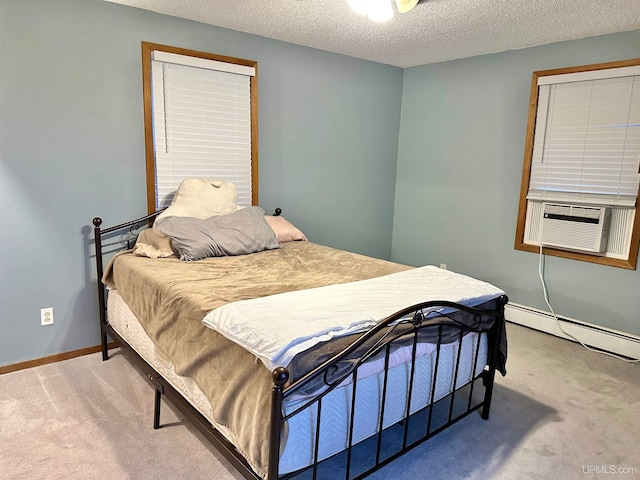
(582, 228)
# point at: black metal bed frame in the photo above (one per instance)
(405, 326)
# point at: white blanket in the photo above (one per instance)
(278, 327)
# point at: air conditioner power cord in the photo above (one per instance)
(546, 299)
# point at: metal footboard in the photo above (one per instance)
(418, 423)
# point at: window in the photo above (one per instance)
(200, 121)
(583, 150)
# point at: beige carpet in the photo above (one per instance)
(561, 412)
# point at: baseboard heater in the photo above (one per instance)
(602, 338)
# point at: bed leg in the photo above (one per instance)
(105, 346)
(157, 401)
(156, 410)
(486, 404)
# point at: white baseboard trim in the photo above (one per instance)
(603, 338)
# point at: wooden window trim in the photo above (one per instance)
(147, 49)
(631, 262)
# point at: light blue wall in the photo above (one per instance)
(459, 169)
(72, 147)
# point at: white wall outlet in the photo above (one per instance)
(443, 266)
(46, 316)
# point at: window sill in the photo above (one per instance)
(629, 264)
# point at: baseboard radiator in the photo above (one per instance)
(609, 340)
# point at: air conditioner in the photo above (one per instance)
(583, 228)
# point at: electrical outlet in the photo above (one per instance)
(443, 266)
(46, 316)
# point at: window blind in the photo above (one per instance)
(201, 123)
(586, 145)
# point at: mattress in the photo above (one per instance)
(125, 323)
(298, 451)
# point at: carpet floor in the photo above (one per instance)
(561, 412)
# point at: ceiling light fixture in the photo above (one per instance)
(380, 10)
(405, 5)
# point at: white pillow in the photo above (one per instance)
(202, 198)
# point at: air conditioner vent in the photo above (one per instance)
(575, 227)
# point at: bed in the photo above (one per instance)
(383, 366)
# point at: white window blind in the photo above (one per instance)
(586, 145)
(201, 123)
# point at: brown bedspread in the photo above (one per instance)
(170, 299)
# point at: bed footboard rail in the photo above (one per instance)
(420, 370)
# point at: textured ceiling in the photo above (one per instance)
(434, 31)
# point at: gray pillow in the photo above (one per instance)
(238, 233)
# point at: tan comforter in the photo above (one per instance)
(170, 298)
